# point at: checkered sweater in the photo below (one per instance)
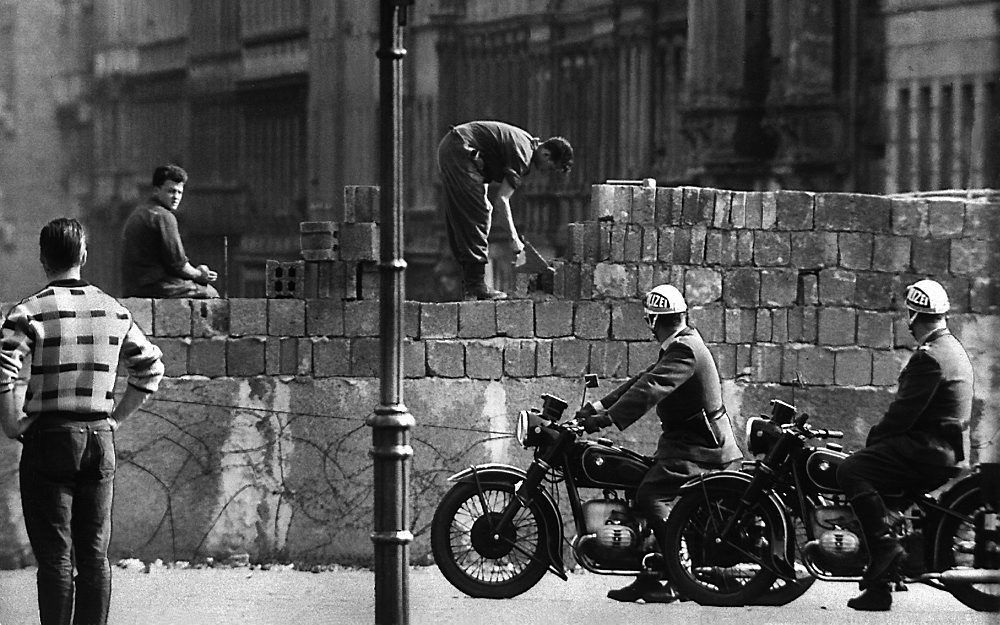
(75, 335)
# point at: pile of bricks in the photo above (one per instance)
(338, 258)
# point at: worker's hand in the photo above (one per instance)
(595, 422)
(517, 246)
(586, 410)
(207, 274)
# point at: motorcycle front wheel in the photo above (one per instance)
(479, 558)
(955, 549)
(714, 571)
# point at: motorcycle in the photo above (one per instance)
(732, 534)
(499, 530)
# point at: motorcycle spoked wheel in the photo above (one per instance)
(783, 591)
(479, 561)
(718, 574)
(954, 550)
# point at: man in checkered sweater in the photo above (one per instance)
(74, 335)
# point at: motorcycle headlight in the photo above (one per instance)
(529, 428)
(761, 435)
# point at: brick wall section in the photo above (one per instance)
(785, 286)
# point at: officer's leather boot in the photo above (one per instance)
(643, 585)
(874, 598)
(474, 283)
(883, 547)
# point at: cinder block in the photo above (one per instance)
(725, 359)
(592, 320)
(650, 244)
(571, 284)
(282, 356)
(931, 256)
(245, 357)
(682, 245)
(958, 288)
(762, 326)
(477, 319)
(445, 359)
(664, 205)
(622, 211)
(553, 319)
(519, 359)
(644, 204)
(771, 249)
(209, 317)
(570, 358)
(359, 241)
(837, 326)
(484, 360)
(304, 364)
(743, 361)
(886, 365)
(586, 281)
(628, 321)
(891, 253)
(851, 212)
(778, 287)
(612, 280)
(814, 250)
(971, 257)
(414, 359)
(366, 357)
(984, 295)
(604, 248)
(439, 321)
(247, 316)
(318, 240)
(543, 357)
(738, 209)
(641, 354)
(741, 287)
(708, 320)
(698, 235)
(515, 318)
(808, 294)
(633, 243)
(909, 217)
(816, 365)
(856, 249)
(644, 280)
(744, 247)
(754, 209)
(331, 357)
(172, 317)
(702, 285)
(852, 367)
(691, 209)
(140, 307)
(779, 325)
(325, 317)
(575, 241)
(876, 290)
(331, 279)
(362, 203)
(602, 202)
(769, 210)
(369, 280)
(945, 218)
(982, 220)
(665, 244)
(720, 212)
(609, 359)
(714, 242)
(175, 355)
(766, 361)
(286, 317)
(836, 287)
(207, 357)
(706, 206)
(794, 210)
(411, 319)
(739, 325)
(617, 246)
(361, 318)
(285, 279)
(875, 329)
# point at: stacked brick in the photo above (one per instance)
(786, 286)
(338, 258)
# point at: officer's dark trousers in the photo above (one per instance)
(67, 480)
(908, 462)
(467, 213)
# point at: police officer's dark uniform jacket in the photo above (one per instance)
(684, 386)
(932, 405)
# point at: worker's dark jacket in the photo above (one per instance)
(684, 386)
(933, 402)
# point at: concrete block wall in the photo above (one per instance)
(259, 431)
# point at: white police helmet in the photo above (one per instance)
(664, 299)
(928, 297)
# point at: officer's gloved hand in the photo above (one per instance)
(587, 410)
(595, 422)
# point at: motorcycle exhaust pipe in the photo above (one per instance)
(966, 576)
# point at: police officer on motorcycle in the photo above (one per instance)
(683, 384)
(918, 442)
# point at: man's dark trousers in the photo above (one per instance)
(67, 485)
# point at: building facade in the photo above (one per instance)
(271, 105)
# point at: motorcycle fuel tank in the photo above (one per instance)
(604, 466)
(821, 467)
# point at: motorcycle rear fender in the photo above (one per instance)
(966, 487)
(782, 549)
(497, 473)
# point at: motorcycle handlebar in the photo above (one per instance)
(822, 432)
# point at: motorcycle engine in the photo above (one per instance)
(837, 546)
(618, 532)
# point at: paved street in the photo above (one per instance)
(227, 596)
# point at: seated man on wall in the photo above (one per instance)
(154, 263)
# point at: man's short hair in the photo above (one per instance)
(62, 243)
(561, 151)
(164, 173)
